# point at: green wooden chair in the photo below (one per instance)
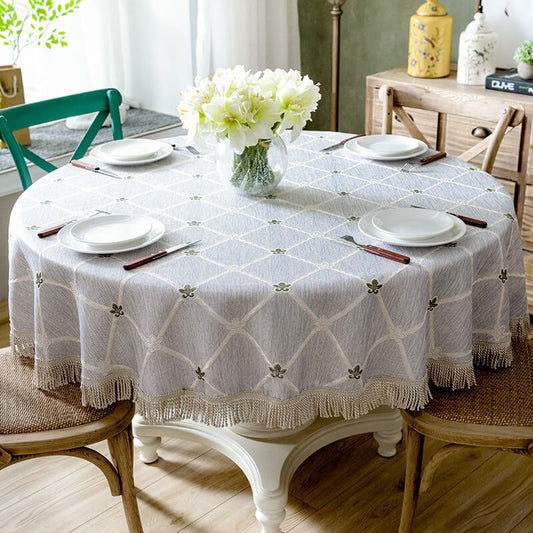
(104, 101)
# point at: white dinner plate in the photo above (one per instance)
(66, 239)
(353, 146)
(412, 223)
(111, 230)
(456, 232)
(164, 151)
(387, 145)
(131, 149)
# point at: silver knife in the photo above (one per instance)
(158, 255)
(93, 168)
(342, 143)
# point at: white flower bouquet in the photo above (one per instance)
(248, 111)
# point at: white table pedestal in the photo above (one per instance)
(268, 457)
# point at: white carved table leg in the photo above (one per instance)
(271, 457)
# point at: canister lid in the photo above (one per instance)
(479, 24)
(431, 8)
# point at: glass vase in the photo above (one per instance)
(258, 170)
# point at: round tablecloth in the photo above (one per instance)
(271, 318)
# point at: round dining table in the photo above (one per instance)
(272, 335)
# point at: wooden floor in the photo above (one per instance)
(345, 487)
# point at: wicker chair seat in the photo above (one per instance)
(502, 397)
(26, 409)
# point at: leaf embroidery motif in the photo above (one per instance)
(278, 251)
(199, 374)
(281, 286)
(276, 371)
(187, 291)
(355, 372)
(432, 304)
(38, 279)
(116, 310)
(503, 275)
(374, 286)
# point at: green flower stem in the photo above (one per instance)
(251, 168)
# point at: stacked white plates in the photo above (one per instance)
(410, 226)
(386, 147)
(132, 151)
(107, 234)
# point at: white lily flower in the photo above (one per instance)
(244, 108)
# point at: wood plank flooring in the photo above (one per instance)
(343, 488)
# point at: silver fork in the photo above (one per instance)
(191, 149)
(409, 167)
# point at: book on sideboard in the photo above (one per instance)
(509, 81)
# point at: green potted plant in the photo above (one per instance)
(32, 22)
(524, 60)
(23, 24)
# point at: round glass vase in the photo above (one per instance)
(258, 170)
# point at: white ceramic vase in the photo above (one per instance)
(525, 71)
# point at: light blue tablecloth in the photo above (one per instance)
(272, 318)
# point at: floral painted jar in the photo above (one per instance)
(430, 41)
(477, 47)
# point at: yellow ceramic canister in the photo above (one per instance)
(430, 41)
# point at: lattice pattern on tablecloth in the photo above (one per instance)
(271, 318)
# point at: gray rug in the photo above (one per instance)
(56, 139)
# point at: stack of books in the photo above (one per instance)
(509, 81)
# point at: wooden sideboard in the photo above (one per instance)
(447, 113)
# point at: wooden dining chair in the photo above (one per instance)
(495, 413)
(506, 118)
(105, 102)
(36, 423)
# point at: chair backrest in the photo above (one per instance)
(103, 101)
(510, 117)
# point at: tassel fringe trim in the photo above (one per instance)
(251, 407)
(520, 329)
(22, 344)
(256, 408)
(49, 375)
(447, 374)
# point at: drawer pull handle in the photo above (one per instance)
(481, 132)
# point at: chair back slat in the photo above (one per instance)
(105, 102)
(37, 159)
(90, 134)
